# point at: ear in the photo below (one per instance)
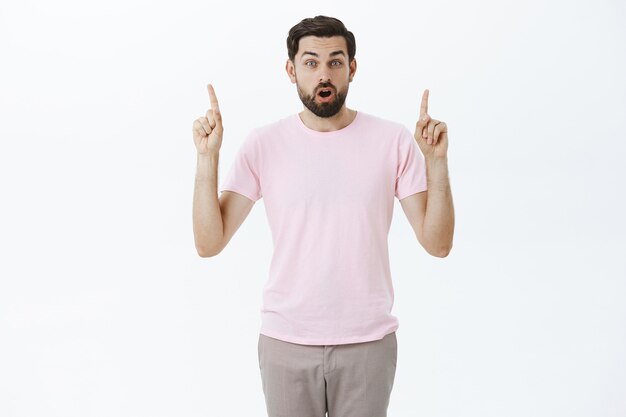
(352, 68)
(291, 71)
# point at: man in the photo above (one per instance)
(328, 176)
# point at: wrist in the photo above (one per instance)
(208, 157)
(437, 171)
(206, 166)
(437, 164)
(439, 160)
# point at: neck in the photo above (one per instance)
(343, 118)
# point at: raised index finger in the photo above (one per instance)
(212, 97)
(424, 106)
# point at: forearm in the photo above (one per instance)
(207, 217)
(438, 224)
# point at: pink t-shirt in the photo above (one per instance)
(329, 199)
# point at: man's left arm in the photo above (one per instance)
(431, 213)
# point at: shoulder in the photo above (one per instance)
(371, 118)
(270, 129)
(389, 127)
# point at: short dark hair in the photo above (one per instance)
(320, 26)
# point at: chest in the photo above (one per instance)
(329, 174)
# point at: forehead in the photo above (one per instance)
(322, 46)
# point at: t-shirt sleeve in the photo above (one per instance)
(411, 173)
(243, 175)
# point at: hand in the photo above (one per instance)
(431, 135)
(208, 130)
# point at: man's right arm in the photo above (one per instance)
(215, 220)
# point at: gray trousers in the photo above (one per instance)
(350, 380)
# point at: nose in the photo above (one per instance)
(324, 78)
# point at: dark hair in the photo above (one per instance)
(320, 26)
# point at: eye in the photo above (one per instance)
(309, 62)
(337, 62)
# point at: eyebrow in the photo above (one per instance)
(331, 54)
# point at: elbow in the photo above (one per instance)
(438, 251)
(441, 252)
(207, 252)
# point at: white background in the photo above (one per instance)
(107, 310)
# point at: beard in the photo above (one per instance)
(323, 109)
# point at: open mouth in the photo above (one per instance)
(325, 93)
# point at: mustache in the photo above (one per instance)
(325, 85)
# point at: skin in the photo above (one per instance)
(308, 71)
(430, 213)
